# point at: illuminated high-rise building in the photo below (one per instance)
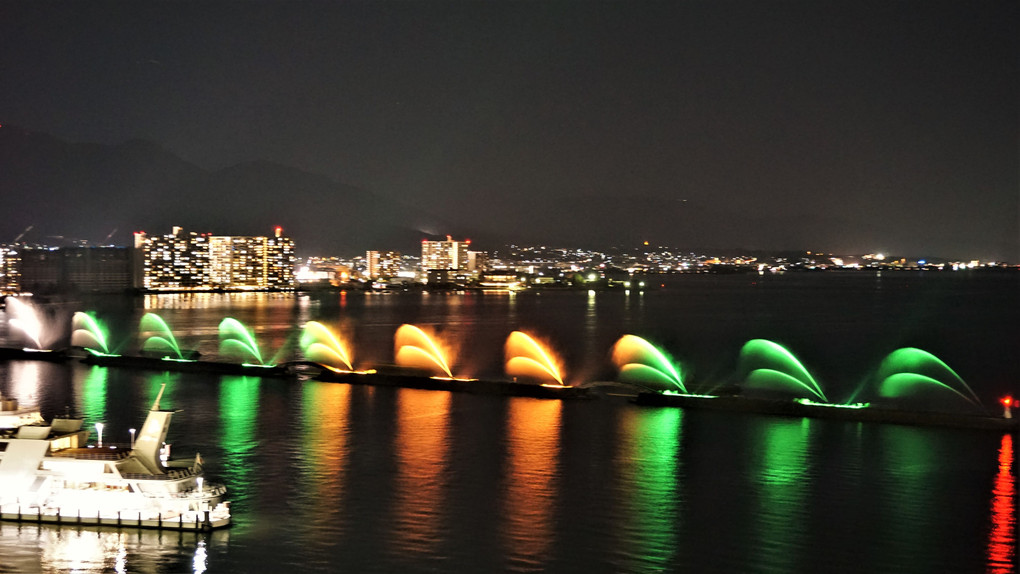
(179, 260)
(447, 254)
(476, 261)
(10, 269)
(238, 262)
(384, 264)
(280, 260)
(203, 261)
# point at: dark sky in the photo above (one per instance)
(891, 113)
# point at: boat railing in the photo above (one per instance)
(209, 490)
(176, 474)
(90, 454)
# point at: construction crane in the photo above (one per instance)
(22, 234)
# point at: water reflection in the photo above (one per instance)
(239, 408)
(591, 324)
(782, 483)
(532, 480)
(1002, 541)
(54, 549)
(25, 380)
(911, 481)
(91, 399)
(325, 452)
(647, 465)
(422, 445)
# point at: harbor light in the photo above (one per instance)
(1007, 404)
(99, 429)
(200, 482)
(132, 431)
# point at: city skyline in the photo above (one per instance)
(852, 127)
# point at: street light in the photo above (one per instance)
(99, 429)
(132, 431)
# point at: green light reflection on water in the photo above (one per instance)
(239, 402)
(648, 463)
(93, 396)
(910, 457)
(783, 485)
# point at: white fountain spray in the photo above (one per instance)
(26, 319)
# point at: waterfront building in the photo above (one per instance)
(193, 261)
(76, 269)
(382, 264)
(179, 260)
(447, 254)
(280, 260)
(10, 270)
(477, 262)
(331, 270)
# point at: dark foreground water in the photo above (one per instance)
(328, 477)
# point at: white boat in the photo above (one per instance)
(49, 474)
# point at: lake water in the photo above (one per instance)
(327, 477)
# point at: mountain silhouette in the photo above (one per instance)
(69, 191)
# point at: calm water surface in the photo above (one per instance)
(327, 476)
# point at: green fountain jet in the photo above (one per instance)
(235, 339)
(769, 365)
(88, 333)
(909, 370)
(162, 340)
(641, 363)
(320, 344)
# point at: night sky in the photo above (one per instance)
(896, 119)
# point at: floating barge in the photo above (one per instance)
(412, 380)
(19, 354)
(804, 408)
(184, 365)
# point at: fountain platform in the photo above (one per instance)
(185, 365)
(20, 354)
(791, 408)
(409, 379)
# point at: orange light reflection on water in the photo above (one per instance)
(533, 445)
(423, 423)
(326, 417)
(1002, 539)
